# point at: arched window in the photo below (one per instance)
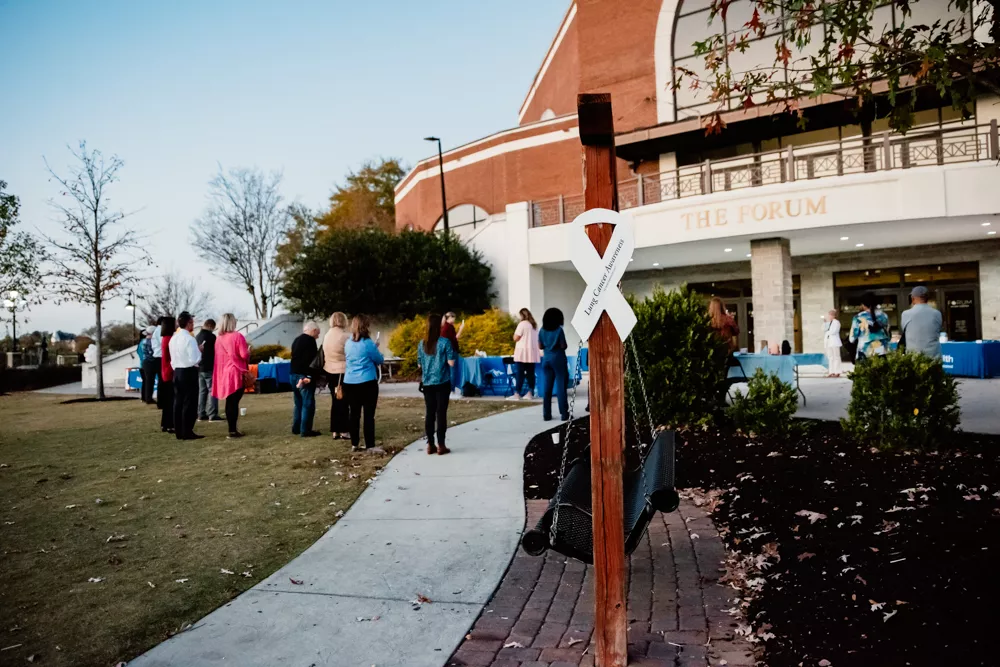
(692, 25)
(464, 221)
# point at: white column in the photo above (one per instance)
(773, 305)
(525, 283)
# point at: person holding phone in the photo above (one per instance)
(449, 332)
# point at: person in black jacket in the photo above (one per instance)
(208, 405)
(304, 351)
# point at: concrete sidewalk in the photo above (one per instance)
(827, 399)
(440, 527)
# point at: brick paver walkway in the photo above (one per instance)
(542, 615)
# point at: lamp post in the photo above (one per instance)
(14, 303)
(444, 200)
(131, 306)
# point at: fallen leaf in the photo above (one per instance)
(824, 663)
(805, 555)
(69, 507)
(297, 582)
(151, 584)
(225, 571)
(513, 645)
(812, 516)
(886, 617)
(95, 580)
(573, 642)
(180, 581)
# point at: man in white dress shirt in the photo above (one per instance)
(185, 356)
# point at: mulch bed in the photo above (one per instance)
(872, 558)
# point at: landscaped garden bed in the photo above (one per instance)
(869, 558)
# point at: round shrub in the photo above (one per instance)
(902, 401)
(404, 341)
(768, 407)
(682, 360)
(491, 332)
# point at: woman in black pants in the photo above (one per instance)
(165, 390)
(361, 380)
(436, 357)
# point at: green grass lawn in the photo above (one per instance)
(95, 491)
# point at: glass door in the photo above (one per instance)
(960, 316)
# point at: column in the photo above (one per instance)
(989, 293)
(773, 309)
(816, 298)
(525, 283)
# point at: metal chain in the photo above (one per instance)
(632, 404)
(577, 376)
(642, 384)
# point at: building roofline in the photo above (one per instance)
(452, 152)
(547, 60)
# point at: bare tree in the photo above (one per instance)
(174, 294)
(240, 232)
(97, 259)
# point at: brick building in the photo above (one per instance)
(782, 223)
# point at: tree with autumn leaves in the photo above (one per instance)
(859, 59)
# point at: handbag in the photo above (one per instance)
(339, 391)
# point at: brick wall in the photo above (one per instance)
(558, 87)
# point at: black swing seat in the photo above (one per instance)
(646, 490)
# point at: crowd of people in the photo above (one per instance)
(870, 333)
(193, 373)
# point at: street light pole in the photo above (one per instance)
(131, 306)
(13, 303)
(444, 200)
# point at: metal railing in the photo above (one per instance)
(923, 146)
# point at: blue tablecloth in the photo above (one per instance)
(134, 379)
(281, 372)
(978, 360)
(471, 369)
(781, 365)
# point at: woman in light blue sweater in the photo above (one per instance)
(361, 380)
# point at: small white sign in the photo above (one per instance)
(602, 273)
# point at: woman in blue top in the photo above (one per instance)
(870, 329)
(436, 356)
(555, 370)
(361, 380)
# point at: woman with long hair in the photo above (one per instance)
(526, 354)
(436, 358)
(723, 324)
(232, 358)
(362, 359)
(555, 369)
(334, 365)
(870, 329)
(165, 390)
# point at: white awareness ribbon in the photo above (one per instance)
(602, 273)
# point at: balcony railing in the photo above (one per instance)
(924, 146)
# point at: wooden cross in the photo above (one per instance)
(607, 398)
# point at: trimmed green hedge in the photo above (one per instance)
(768, 407)
(902, 401)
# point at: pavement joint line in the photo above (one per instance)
(373, 598)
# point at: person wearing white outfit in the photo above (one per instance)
(832, 343)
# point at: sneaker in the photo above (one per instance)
(203, 419)
(514, 397)
(216, 419)
(234, 434)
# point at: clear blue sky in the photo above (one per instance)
(309, 87)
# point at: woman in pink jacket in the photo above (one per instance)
(231, 357)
